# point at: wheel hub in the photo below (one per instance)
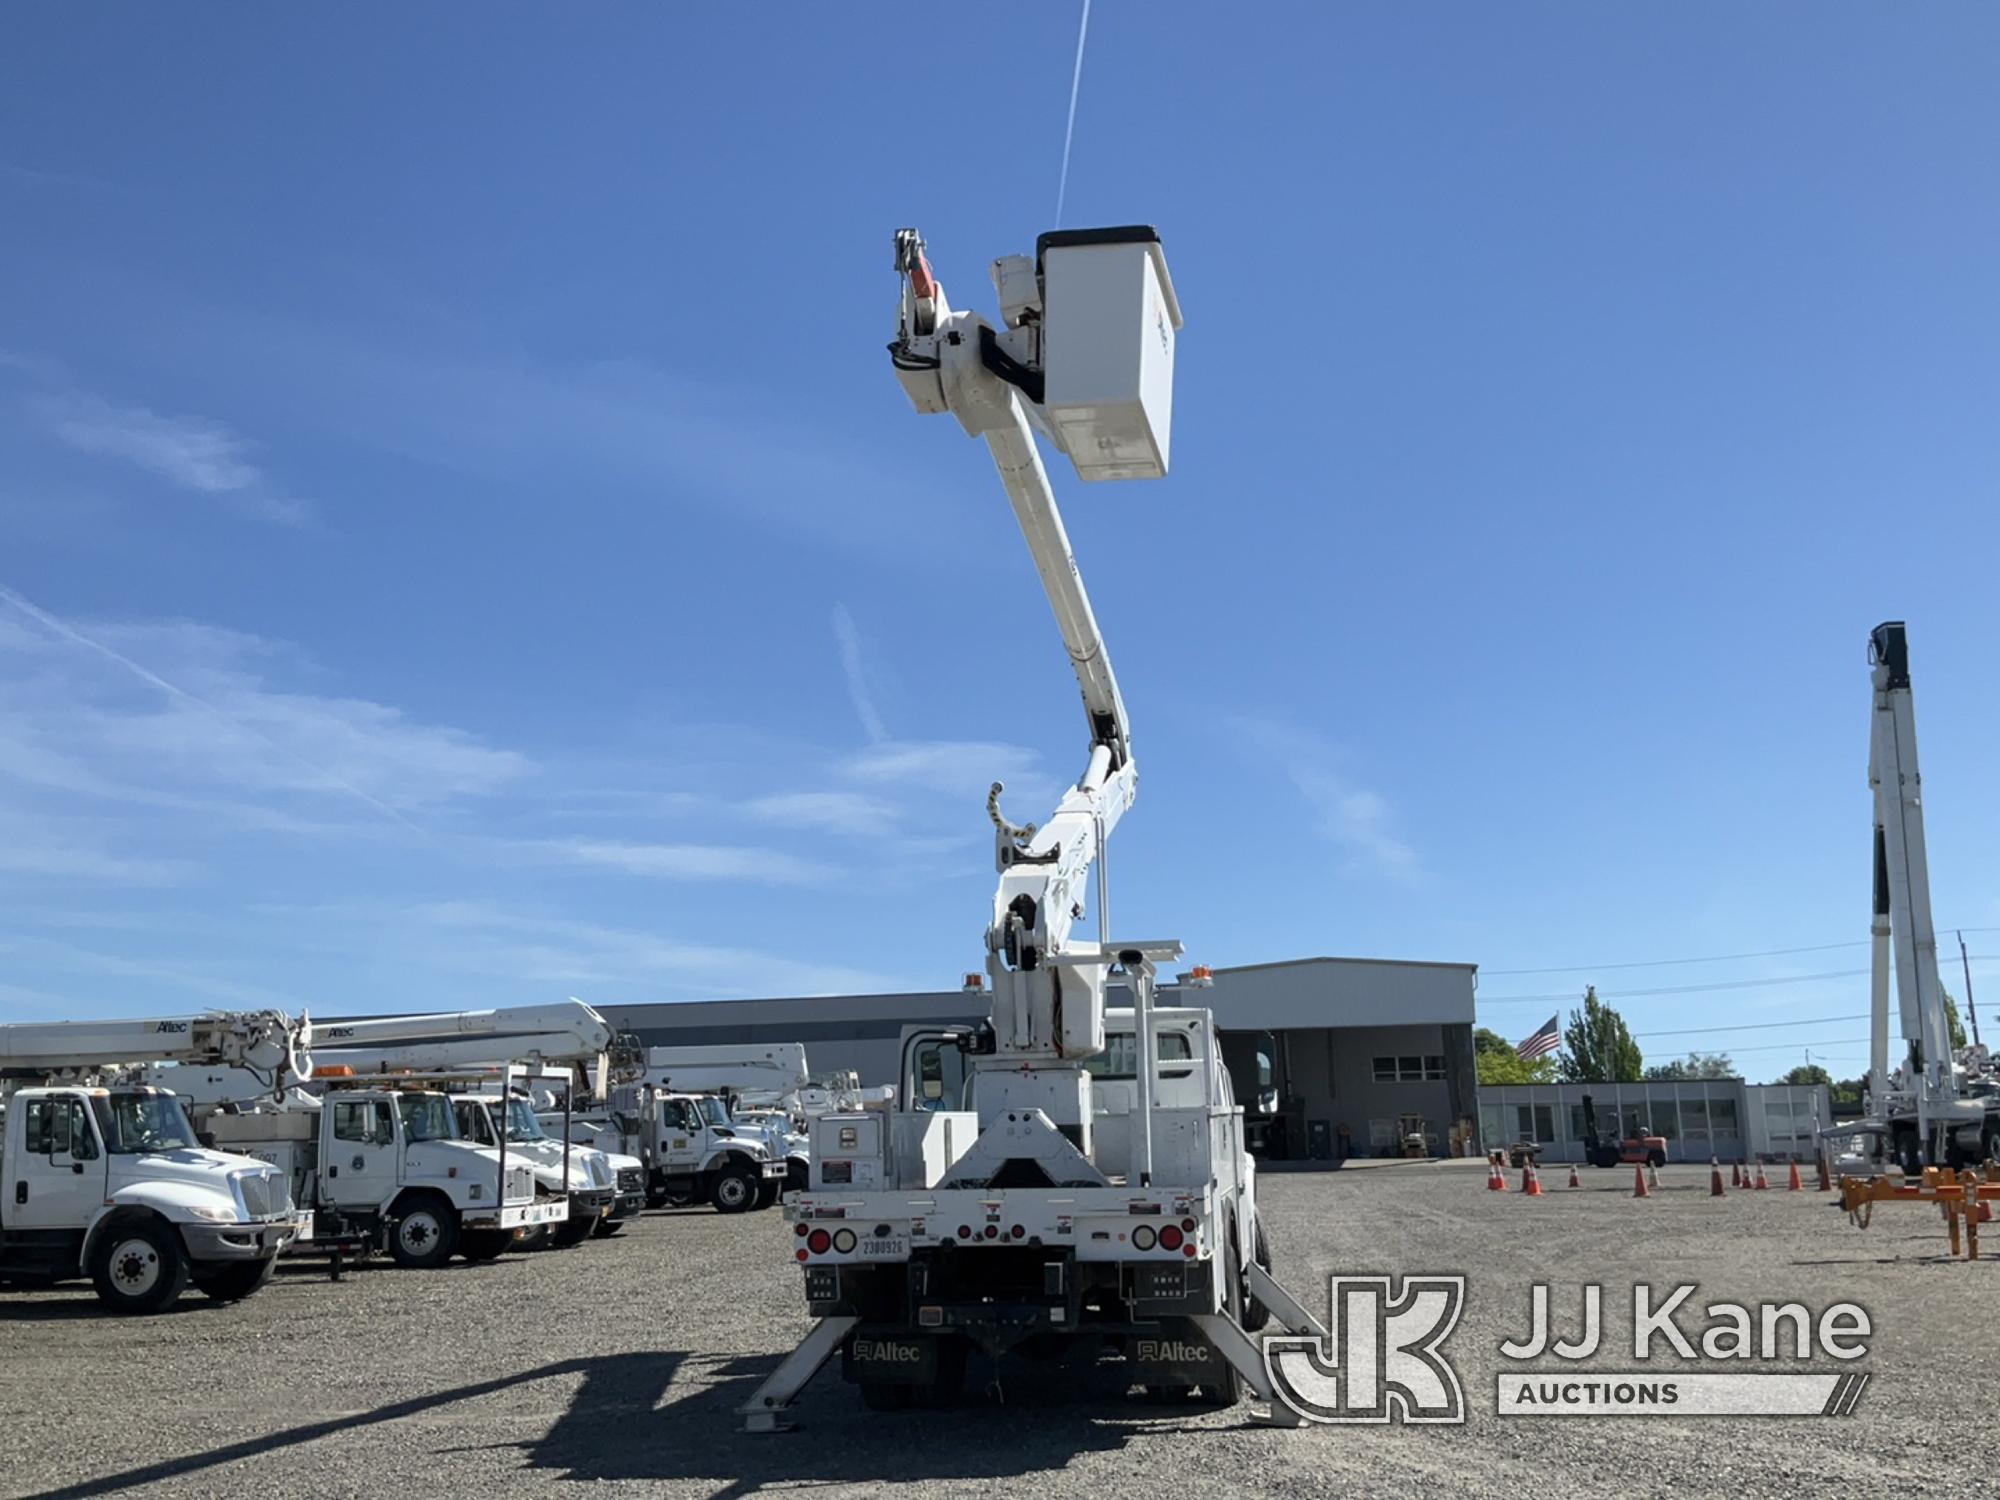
(135, 1267)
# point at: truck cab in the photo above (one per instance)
(111, 1183)
(691, 1149)
(387, 1168)
(582, 1175)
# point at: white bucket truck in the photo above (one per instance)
(1012, 1203)
(103, 1177)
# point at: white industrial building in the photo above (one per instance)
(1724, 1119)
(1361, 1053)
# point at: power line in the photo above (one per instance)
(1756, 1026)
(1674, 989)
(1711, 958)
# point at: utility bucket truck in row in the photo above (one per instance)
(104, 1178)
(546, 1046)
(1063, 1178)
(690, 1147)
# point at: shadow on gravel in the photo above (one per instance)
(617, 1428)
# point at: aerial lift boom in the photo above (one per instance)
(267, 1044)
(1048, 989)
(1922, 1099)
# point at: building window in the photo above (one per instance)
(1535, 1122)
(1385, 1070)
(1409, 1070)
(1434, 1070)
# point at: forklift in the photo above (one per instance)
(1637, 1147)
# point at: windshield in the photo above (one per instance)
(714, 1111)
(426, 1117)
(135, 1123)
(521, 1122)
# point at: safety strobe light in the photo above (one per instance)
(1143, 1237)
(1170, 1236)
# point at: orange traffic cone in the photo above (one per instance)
(1761, 1183)
(1714, 1178)
(1795, 1186)
(1574, 1180)
(1652, 1175)
(1736, 1176)
(1825, 1177)
(1496, 1181)
(1639, 1188)
(1531, 1181)
(1985, 1212)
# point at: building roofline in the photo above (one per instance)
(1400, 963)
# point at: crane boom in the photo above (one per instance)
(267, 1043)
(1899, 821)
(572, 1026)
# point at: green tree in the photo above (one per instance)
(1808, 1073)
(1597, 1045)
(1499, 1062)
(1694, 1065)
(1847, 1091)
(1951, 1022)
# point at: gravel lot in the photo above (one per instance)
(620, 1362)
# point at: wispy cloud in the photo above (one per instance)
(1352, 817)
(689, 861)
(849, 640)
(80, 712)
(962, 768)
(848, 813)
(193, 453)
(58, 861)
(607, 964)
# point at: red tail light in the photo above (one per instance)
(819, 1242)
(799, 1230)
(802, 1255)
(965, 1231)
(993, 1231)
(1170, 1237)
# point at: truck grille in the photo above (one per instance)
(266, 1195)
(520, 1183)
(631, 1179)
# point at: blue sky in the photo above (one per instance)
(464, 543)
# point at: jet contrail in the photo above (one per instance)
(154, 680)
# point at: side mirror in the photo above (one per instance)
(933, 1089)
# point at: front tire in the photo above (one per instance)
(233, 1280)
(484, 1244)
(139, 1267)
(768, 1191)
(572, 1231)
(606, 1228)
(734, 1190)
(425, 1235)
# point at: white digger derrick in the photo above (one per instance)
(1921, 1101)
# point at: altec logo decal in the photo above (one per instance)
(1172, 1352)
(887, 1352)
(170, 1028)
(1381, 1363)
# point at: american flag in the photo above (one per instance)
(1546, 1039)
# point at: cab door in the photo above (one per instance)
(359, 1152)
(683, 1135)
(58, 1181)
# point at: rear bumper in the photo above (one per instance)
(258, 1241)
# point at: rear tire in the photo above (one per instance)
(233, 1280)
(1228, 1389)
(139, 1266)
(425, 1234)
(734, 1190)
(1255, 1313)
